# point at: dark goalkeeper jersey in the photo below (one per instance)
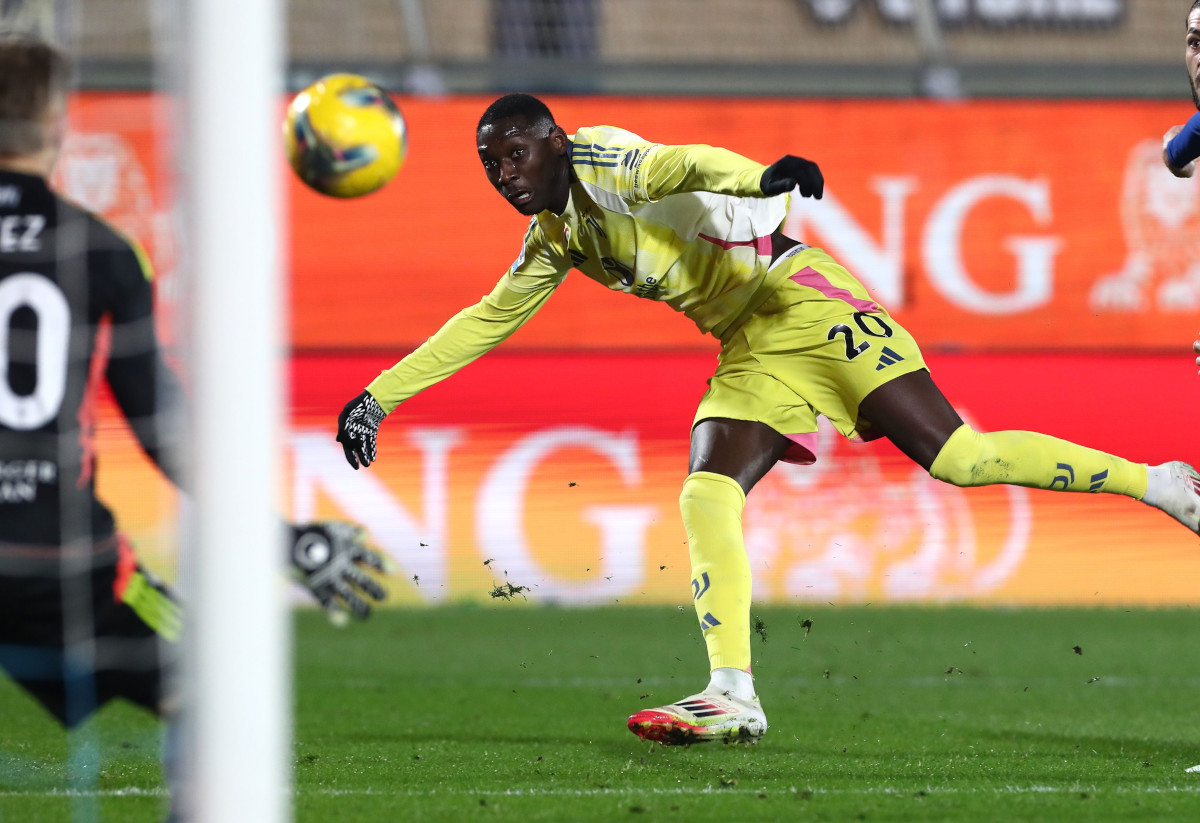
(76, 307)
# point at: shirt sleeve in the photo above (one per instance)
(147, 391)
(666, 170)
(477, 330)
(1184, 147)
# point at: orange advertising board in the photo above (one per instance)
(981, 225)
(998, 225)
(561, 473)
(1036, 250)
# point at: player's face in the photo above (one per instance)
(1192, 54)
(532, 172)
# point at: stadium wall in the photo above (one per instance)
(1045, 280)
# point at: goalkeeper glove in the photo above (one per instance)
(328, 558)
(358, 425)
(790, 171)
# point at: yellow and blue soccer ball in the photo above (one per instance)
(344, 136)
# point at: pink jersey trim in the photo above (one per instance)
(808, 276)
(803, 449)
(761, 245)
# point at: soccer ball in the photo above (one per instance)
(344, 136)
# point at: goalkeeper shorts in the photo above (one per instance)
(77, 630)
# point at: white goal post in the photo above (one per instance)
(236, 753)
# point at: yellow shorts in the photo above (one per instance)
(798, 357)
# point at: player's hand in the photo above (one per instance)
(330, 559)
(358, 425)
(1186, 171)
(789, 172)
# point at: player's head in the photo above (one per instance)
(525, 154)
(1192, 51)
(33, 86)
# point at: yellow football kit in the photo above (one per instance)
(687, 226)
(801, 337)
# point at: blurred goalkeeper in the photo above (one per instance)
(1181, 144)
(698, 228)
(81, 622)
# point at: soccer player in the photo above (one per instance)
(1181, 144)
(698, 228)
(81, 622)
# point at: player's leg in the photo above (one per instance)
(44, 611)
(914, 414)
(728, 457)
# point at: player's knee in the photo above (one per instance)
(704, 490)
(960, 458)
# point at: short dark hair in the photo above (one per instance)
(521, 105)
(32, 74)
(1195, 5)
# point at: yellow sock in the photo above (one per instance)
(711, 505)
(1021, 458)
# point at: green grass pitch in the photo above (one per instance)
(511, 712)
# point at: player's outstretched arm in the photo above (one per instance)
(358, 427)
(790, 172)
(1181, 147)
(330, 559)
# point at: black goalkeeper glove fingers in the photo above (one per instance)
(368, 585)
(791, 172)
(358, 426)
(347, 599)
(328, 558)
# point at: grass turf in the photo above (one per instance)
(506, 712)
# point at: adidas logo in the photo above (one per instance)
(886, 358)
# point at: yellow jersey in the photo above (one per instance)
(684, 225)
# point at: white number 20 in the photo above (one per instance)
(41, 294)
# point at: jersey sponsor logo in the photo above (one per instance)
(19, 479)
(648, 288)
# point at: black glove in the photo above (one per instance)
(358, 425)
(329, 558)
(790, 171)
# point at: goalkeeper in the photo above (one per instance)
(1181, 144)
(81, 622)
(698, 228)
